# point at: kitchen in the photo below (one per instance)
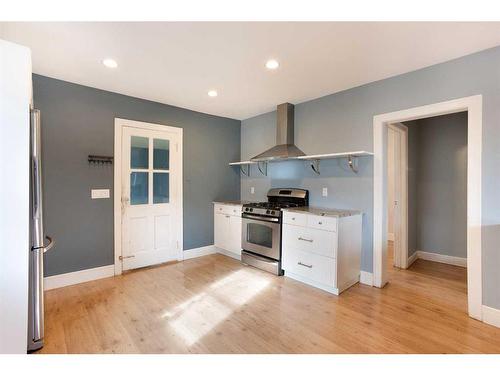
(240, 224)
(274, 235)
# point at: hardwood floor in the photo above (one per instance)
(213, 304)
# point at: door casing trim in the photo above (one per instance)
(117, 190)
(474, 107)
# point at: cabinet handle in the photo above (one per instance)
(293, 218)
(305, 239)
(228, 216)
(305, 265)
(319, 222)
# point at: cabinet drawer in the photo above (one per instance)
(220, 209)
(234, 210)
(295, 218)
(228, 209)
(322, 222)
(310, 240)
(314, 267)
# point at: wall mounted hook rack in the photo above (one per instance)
(98, 159)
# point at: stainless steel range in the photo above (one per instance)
(261, 228)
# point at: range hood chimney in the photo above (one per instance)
(285, 148)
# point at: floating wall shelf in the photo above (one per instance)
(352, 160)
(244, 166)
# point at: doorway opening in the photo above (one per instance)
(427, 190)
(472, 106)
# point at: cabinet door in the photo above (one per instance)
(235, 234)
(221, 230)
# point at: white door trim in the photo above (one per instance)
(403, 201)
(119, 124)
(473, 106)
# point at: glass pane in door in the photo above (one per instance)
(259, 234)
(161, 154)
(139, 147)
(138, 188)
(161, 187)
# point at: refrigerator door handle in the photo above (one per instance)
(36, 326)
(49, 245)
(36, 178)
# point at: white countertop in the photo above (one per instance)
(231, 202)
(333, 212)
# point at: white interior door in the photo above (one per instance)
(150, 197)
(391, 134)
(393, 193)
(396, 193)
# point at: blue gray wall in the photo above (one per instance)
(439, 191)
(78, 121)
(344, 122)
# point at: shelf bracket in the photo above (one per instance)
(315, 166)
(352, 161)
(264, 172)
(245, 169)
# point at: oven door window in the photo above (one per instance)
(259, 234)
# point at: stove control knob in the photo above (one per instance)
(251, 210)
(272, 212)
(268, 212)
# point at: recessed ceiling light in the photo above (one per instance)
(110, 63)
(212, 93)
(272, 64)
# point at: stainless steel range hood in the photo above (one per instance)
(284, 149)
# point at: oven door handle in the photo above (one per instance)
(261, 218)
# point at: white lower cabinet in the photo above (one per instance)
(324, 252)
(314, 267)
(227, 229)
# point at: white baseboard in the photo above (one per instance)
(207, 250)
(455, 261)
(72, 278)
(366, 278)
(199, 252)
(412, 258)
(228, 253)
(313, 283)
(491, 316)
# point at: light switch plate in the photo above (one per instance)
(99, 193)
(252, 190)
(325, 192)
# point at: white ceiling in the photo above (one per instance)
(177, 63)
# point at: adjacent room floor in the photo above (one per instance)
(214, 304)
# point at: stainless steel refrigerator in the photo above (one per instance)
(39, 242)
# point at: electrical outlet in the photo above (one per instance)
(99, 193)
(325, 192)
(252, 190)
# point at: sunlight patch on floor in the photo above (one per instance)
(197, 316)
